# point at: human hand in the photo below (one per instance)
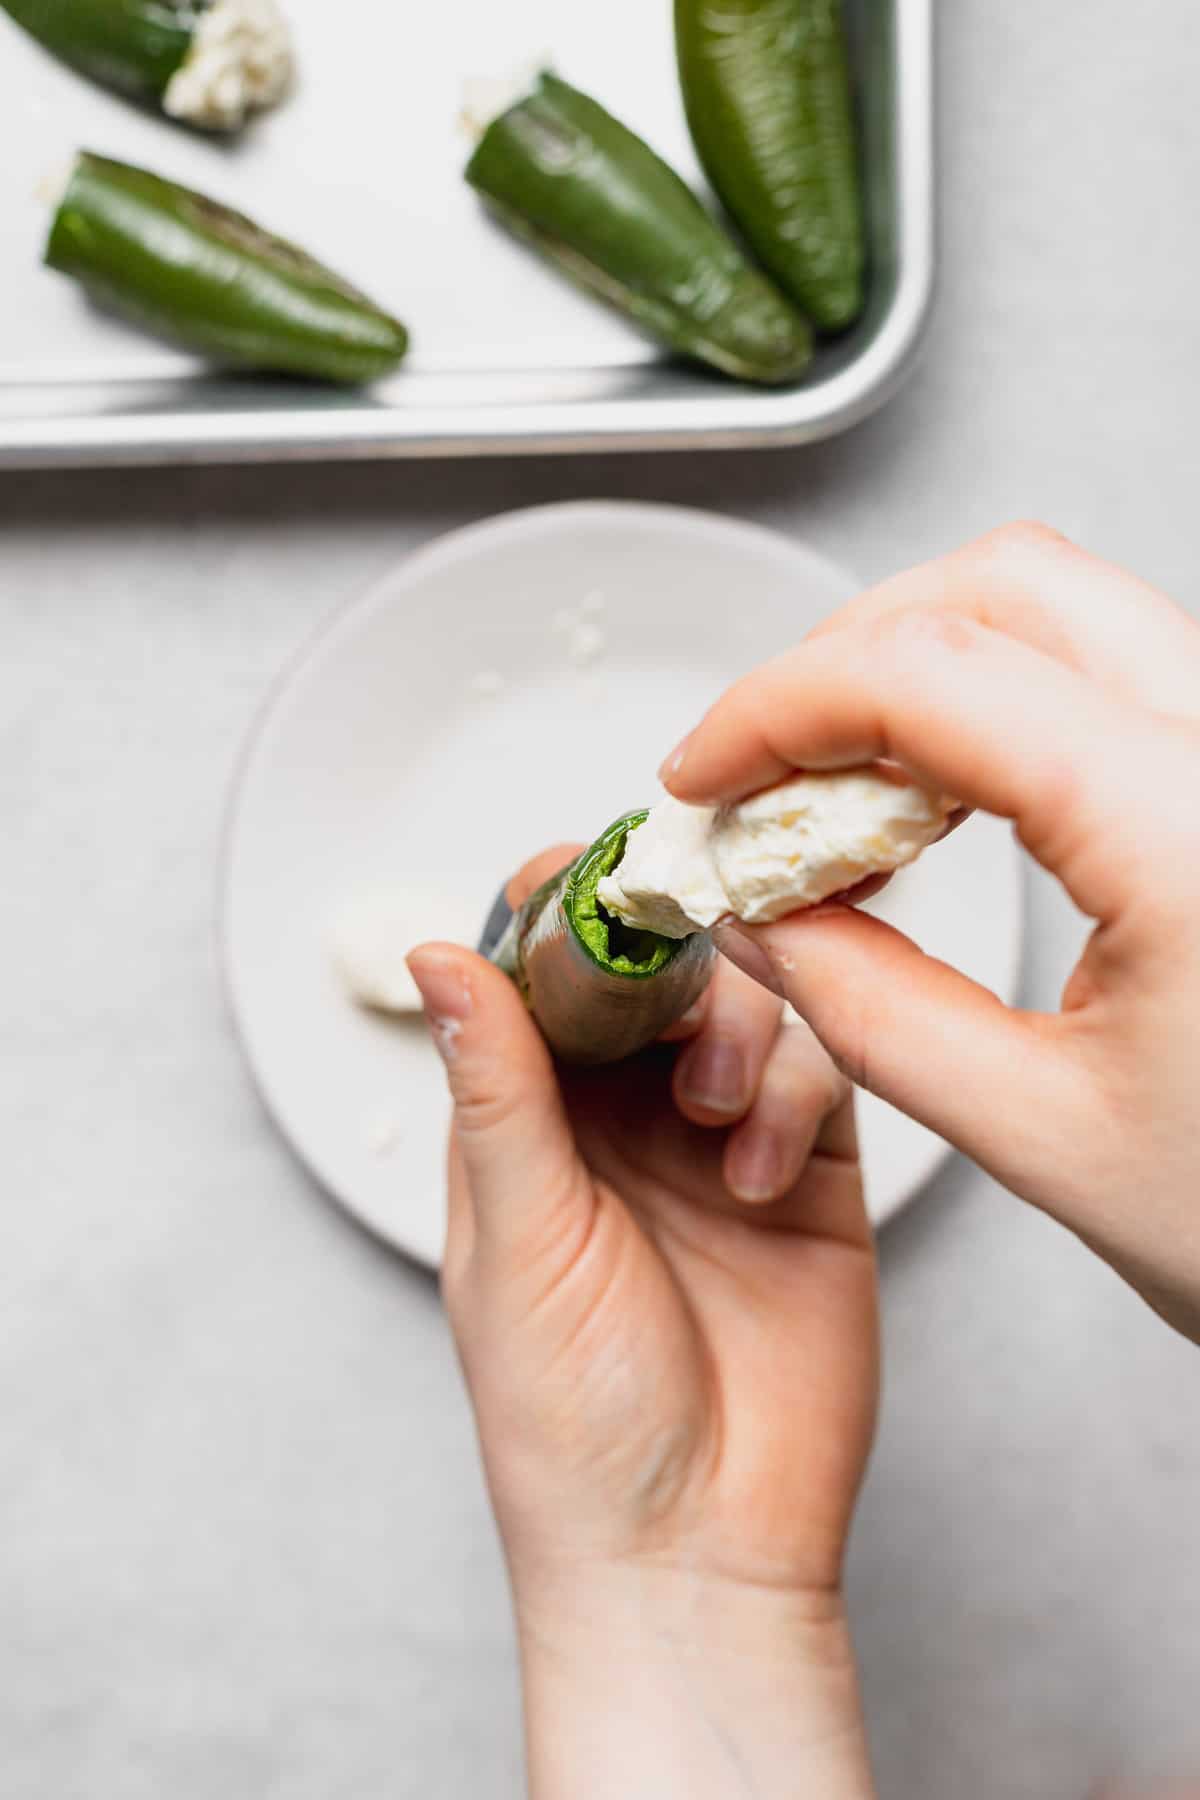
(675, 1388)
(1037, 683)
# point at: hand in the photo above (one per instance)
(1039, 684)
(675, 1388)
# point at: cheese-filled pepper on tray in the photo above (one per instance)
(208, 63)
(603, 207)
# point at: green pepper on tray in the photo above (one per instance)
(206, 62)
(562, 173)
(203, 276)
(767, 93)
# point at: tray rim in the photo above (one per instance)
(732, 417)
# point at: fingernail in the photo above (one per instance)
(446, 995)
(747, 955)
(713, 1075)
(755, 1170)
(674, 762)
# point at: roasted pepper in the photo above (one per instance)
(207, 62)
(767, 93)
(568, 177)
(193, 271)
(598, 989)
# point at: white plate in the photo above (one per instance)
(377, 757)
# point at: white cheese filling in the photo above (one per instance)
(240, 60)
(486, 97)
(375, 931)
(791, 847)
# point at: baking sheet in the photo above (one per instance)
(363, 165)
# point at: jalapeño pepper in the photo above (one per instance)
(767, 94)
(564, 174)
(203, 276)
(599, 990)
(207, 62)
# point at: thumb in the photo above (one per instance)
(920, 1034)
(510, 1127)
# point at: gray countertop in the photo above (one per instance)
(244, 1548)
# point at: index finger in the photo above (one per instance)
(1031, 583)
(963, 708)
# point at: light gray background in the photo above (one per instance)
(243, 1544)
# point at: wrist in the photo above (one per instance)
(651, 1681)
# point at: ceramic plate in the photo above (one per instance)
(514, 684)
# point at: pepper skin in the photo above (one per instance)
(205, 277)
(767, 94)
(564, 174)
(134, 46)
(598, 991)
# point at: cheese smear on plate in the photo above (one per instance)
(374, 932)
(790, 847)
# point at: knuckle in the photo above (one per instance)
(1169, 765)
(741, 710)
(868, 1025)
(1060, 785)
(1014, 546)
(1022, 535)
(453, 1282)
(813, 1077)
(1054, 824)
(852, 1053)
(817, 1096)
(837, 1088)
(485, 1097)
(852, 1061)
(909, 639)
(564, 1227)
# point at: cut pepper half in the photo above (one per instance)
(135, 46)
(205, 277)
(598, 990)
(207, 62)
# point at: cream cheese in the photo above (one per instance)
(790, 847)
(240, 60)
(486, 97)
(667, 880)
(374, 933)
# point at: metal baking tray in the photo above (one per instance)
(363, 166)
